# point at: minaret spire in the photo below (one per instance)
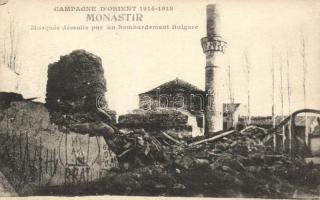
(213, 47)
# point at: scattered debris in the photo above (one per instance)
(213, 138)
(170, 138)
(232, 164)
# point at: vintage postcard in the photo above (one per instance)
(160, 98)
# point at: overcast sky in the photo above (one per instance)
(137, 61)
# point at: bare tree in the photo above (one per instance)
(289, 101)
(13, 52)
(304, 67)
(282, 99)
(247, 68)
(281, 85)
(273, 99)
(288, 84)
(231, 95)
(10, 52)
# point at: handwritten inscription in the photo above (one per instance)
(76, 175)
(28, 162)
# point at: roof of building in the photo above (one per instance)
(174, 86)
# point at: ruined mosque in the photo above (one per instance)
(208, 107)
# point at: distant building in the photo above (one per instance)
(173, 94)
(179, 94)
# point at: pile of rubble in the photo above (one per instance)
(236, 164)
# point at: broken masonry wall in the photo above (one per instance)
(37, 153)
(154, 118)
(176, 122)
(76, 84)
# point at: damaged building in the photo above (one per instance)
(205, 110)
(179, 98)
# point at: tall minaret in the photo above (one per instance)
(214, 47)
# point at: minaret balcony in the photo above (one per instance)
(213, 44)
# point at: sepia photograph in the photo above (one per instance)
(161, 99)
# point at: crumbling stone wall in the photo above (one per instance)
(36, 153)
(155, 120)
(76, 88)
(75, 82)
